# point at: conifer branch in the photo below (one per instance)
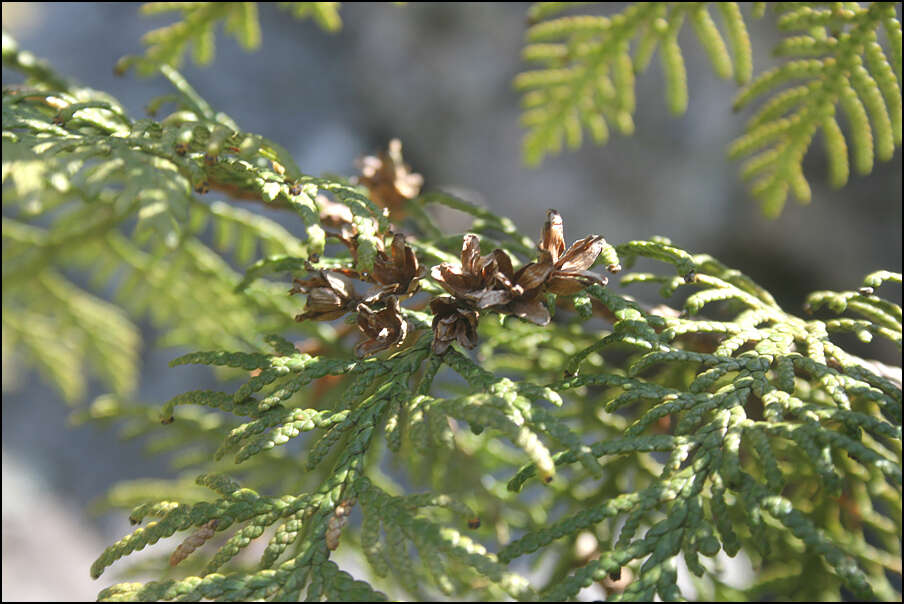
(740, 424)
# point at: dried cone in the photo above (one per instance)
(569, 273)
(389, 179)
(452, 322)
(383, 328)
(491, 282)
(526, 289)
(476, 281)
(328, 297)
(400, 272)
(558, 270)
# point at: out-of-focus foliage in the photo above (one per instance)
(197, 28)
(90, 191)
(586, 68)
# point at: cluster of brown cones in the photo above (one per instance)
(395, 275)
(480, 283)
(490, 282)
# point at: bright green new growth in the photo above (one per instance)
(731, 425)
(586, 67)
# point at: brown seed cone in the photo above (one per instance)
(389, 179)
(526, 288)
(401, 271)
(569, 273)
(382, 328)
(491, 282)
(452, 322)
(328, 296)
(476, 280)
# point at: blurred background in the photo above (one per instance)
(438, 76)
